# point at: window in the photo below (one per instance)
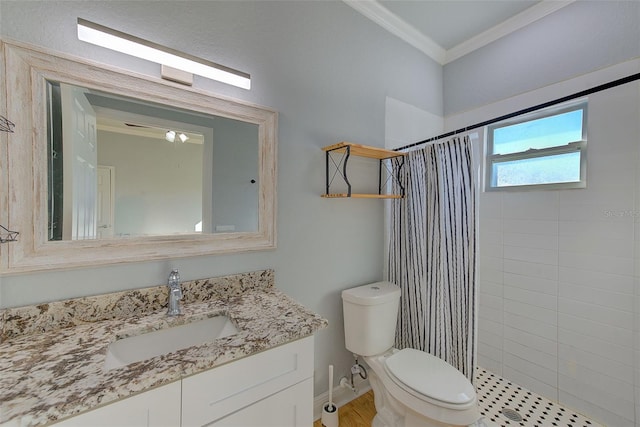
(546, 149)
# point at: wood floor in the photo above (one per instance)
(357, 413)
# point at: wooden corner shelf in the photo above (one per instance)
(363, 150)
(350, 148)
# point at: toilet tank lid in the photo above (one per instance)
(372, 294)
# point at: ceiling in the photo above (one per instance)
(446, 30)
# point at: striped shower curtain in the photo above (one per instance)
(432, 253)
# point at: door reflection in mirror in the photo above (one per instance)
(113, 173)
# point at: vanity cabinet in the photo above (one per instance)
(159, 407)
(270, 388)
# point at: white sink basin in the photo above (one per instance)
(145, 346)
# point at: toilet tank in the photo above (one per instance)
(370, 316)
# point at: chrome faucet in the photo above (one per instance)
(175, 293)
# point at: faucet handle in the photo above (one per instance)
(174, 277)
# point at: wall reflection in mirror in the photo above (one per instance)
(120, 167)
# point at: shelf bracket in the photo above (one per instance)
(344, 160)
(390, 175)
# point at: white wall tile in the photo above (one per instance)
(588, 389)
(571, 356)
(548, 346)
(531, 226)
(490, 332)
(539, 299)
(490, 302)
(622, 337)
(491, 263)
(610, 197)
(611, 299)
(529, 353)
(636, 313)
(597, 412)
(617, 353)
(543, 286)
(490, 224)
(596, 245)
(541, 373)
(531, 383)
(538, 256)
(490, 364)
(609, 229)
(533, 205)
(596, 313)
(490, 288)
(488, 236)
(542, 329)
(532, 312)
(528, 240)
(578, 212)
(489, 314)
(490, 250)
(613, 282)
(490, 204)
(489, 352)
(599, 382)
(490, 338)
(610, 177)
(607, 264)
(525, 268)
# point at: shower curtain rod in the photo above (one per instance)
(595, 89)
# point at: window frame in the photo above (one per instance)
(571, 147)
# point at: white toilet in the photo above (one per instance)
(411, 388)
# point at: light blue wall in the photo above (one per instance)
(577, 39)
(326, 69)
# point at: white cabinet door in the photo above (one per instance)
(155, 408)
(292, 407)
(211, 396)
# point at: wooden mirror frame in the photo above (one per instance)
(23, 164)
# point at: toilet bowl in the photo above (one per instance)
(448, 398)
(411, 388)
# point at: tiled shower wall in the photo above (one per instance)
(558, 298)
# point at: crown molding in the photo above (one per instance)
(392, 23)
(521, 20)
(397, 26)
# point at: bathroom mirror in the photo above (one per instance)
(108, 167)
(118, 167)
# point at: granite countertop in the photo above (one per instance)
(55, 369)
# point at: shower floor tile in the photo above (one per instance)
(520, 406)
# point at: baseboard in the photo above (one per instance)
(341, 396)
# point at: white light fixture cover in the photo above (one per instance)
(170, 136)
(113, 39)
(183, 137)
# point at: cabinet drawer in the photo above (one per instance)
(291, 407)
(209, 396)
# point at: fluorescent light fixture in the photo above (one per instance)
(131, 45)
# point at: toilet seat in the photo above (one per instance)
(391, 389)
(429, 378)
